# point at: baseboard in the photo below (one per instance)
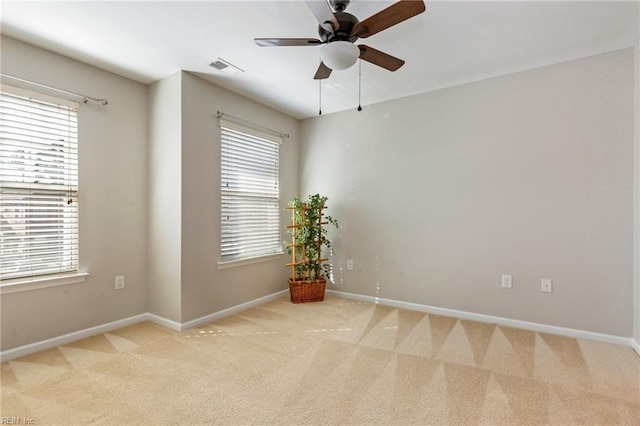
(164, 322)
(31, 348)
(543, 328)
(232, 310)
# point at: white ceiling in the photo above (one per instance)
(451, 43)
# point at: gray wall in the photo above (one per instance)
(636, 180)
(165, 197)
(530, 174)
(149, 201)
(205, 288)
(112, 202)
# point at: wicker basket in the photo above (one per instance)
(307, 291)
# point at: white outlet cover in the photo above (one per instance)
(547, 285)
(120, 282)
(507, 281)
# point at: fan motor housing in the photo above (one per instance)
(347, 21)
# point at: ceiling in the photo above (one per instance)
(451, 43)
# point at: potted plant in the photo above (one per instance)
(309, 241)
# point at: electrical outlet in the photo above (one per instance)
(547, 285)
(120, 282)
(350, 265)
(506, 281)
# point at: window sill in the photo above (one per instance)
(35, 283)
(233, 263)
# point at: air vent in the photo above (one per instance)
(225, 66)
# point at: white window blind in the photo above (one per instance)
(250, 212)
(38, 184)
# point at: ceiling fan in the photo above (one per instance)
(338, 31)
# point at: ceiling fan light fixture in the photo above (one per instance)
(339, 55)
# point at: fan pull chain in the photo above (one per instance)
(320, 97)
(359, 84)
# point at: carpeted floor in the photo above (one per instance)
(335, 362)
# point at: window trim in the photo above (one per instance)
(227, 264)
(37, 282)
(234, 126)
(53, 278)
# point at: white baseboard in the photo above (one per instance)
(31, 348)
(232, 310)
(164, 322)
(532, 326)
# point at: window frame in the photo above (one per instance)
(66, 189)
(249, 135)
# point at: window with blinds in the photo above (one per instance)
(38, 184)
(250, 212)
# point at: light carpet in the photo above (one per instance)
(334, 362)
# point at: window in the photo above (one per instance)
(38, 184)
(250, 212)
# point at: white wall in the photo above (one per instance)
(205, 288)
(112, 202)
(529, 174)
(165, 197)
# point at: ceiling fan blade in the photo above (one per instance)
(323, 72)
(379, 58)
(392, 15)
(323, 13)
(270, 42)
